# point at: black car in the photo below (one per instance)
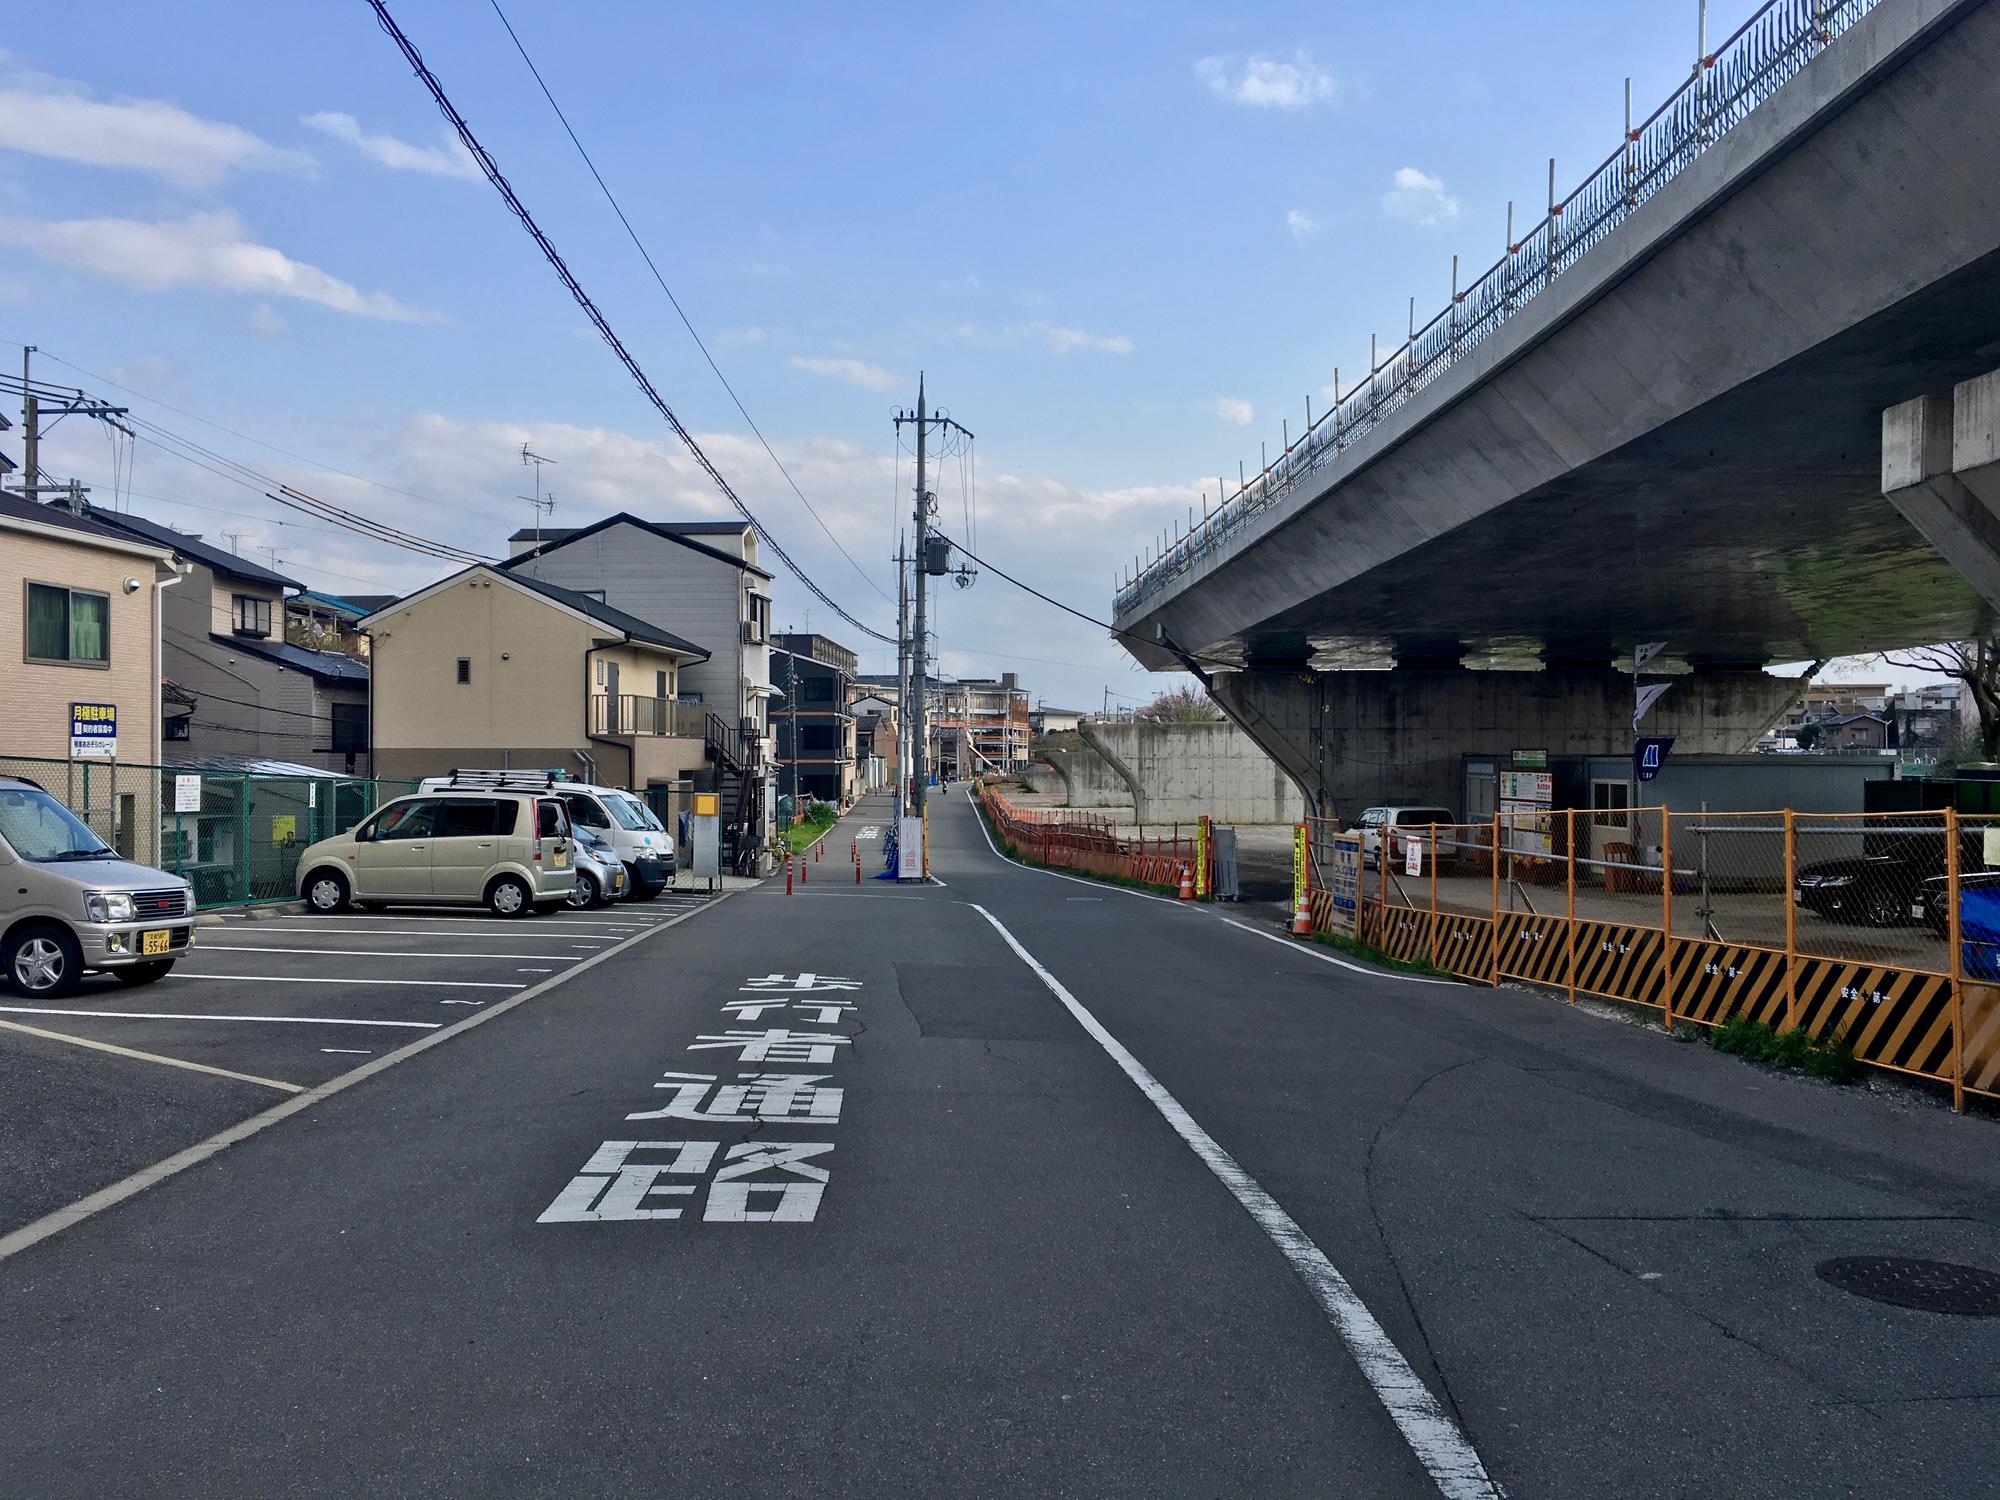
(1883, 887)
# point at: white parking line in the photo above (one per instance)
(154, 1057)
(321, 930)
(160, 1015)
(367, 952)
(1436, 1440)
(454, 984)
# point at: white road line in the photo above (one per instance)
(1433, 1436)
(351, 1051)
(1305, 951)
(367, 952)
(37, 1230)
(153, 1057)
(163, 1015)
(321, 930)
(449, 984)
(1101, 885)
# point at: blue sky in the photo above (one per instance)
(1125, 241)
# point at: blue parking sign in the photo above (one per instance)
(93, 731)
(1649, 754)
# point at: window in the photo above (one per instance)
(600, 671)
(407, 820)
(585, 812)
(816, 689)
(176, 728)
(756, 618)
(468, 817)
(817, 739)
(465, 669)
(1608, 803)
(253, 615)
(551, 821)
(68, 625)
(659, 684)
(350, 726)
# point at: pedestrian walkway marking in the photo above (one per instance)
(154, 1057)
(161, 1015)
(369, 952)
(456, 984)
(1444, 1451)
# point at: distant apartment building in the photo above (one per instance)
(256, 696)
(1934, 720)
(981, 724)
(1045, 720)
(815, 729)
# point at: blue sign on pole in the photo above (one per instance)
(1649, 754)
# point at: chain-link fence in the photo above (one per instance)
(235, 836)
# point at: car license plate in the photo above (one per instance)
(1917, 909)
(562, 858)
(1798, 898)
(159, 940)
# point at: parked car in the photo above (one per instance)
(600, 874)
(1395, 822)
(70, 905)
(510, 851)
(1881, 887)
(616, 815)
(1936, 910)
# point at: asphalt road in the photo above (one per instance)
(1116, 1197)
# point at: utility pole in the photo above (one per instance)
(792, 700)
(919, 646)
(902, 676)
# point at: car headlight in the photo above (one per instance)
(108, 906)
(1835, 880)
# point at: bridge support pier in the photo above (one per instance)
(1358, 739)
(1941, 470)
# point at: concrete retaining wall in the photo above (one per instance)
(1173, 773)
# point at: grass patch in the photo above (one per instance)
(1796, 1049)
(799, 837)
(1355, 948)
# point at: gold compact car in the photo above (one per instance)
(510, 852)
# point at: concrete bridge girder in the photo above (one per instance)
(1941, 471)
(1359, 739)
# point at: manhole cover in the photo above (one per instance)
(1927, 1285)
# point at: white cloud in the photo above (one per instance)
(1235, 409)
(1267, 82)
(853, 371)
(1068, 340)
(765, 268)
(207, 250)
(1419, 198)
(263, 320)
(53, 118)
(447, 159)
(1302, 225)
(733, 338)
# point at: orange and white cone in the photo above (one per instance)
(1302, 921)
(1187, 882)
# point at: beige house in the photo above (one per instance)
(489, 668)
(77, 625)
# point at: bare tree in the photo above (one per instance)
(1976, 663)
(1183, 705)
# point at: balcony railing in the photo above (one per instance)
(1722, 89)
(630, 713)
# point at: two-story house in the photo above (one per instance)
(492, 669)
(223, 642)
(703, 577)
(815, 730)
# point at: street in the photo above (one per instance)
(1013, 1183)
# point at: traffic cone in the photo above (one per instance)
(1187, 882)
(1302, 922)
(788, 873)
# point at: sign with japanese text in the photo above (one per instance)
(910, 850)
(1345, 880)
(187, 794)
(1301, 868)
(1413, 856)
(93, 731)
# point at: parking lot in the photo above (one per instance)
(264, 1006)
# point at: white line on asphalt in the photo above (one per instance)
(154, 1057)
(351, 1051)
(491, 936)
(367, 952)
(1433, 1436)
(534, 971)
(449, 984)
(1327, 958)
(162, 1015)
(980, 819)
(37, 1230)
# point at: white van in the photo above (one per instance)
(615, 815)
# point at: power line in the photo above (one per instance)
(633, 234)
(597, 319)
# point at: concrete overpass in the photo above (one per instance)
(1660, 418)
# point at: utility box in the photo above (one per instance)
(1226, 888)
(937, 556)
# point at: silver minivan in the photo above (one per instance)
(70, 905)
(506, 850)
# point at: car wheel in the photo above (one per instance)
(326, 892)
(147, 973)
(509, 896)
(583, 894)
(1884, 909)
(43, 961)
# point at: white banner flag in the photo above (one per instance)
(1642, 656)
(1647, 696)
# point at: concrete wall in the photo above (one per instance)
(1180, 771)
(1085, 777)
(1358, 739)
